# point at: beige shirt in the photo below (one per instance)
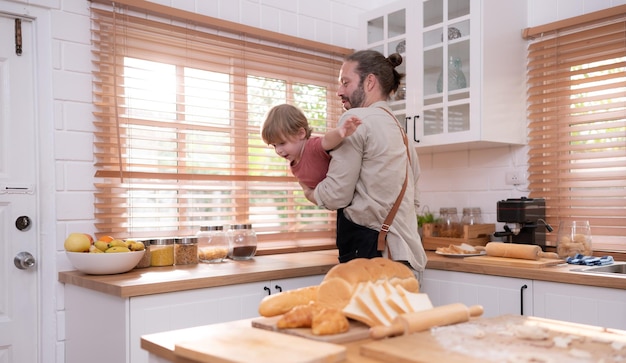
(365, 176)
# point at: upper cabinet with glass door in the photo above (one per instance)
(386, 32)
(465, 66)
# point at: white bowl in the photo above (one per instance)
(104, 263)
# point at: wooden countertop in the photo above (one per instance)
(155, 280)
(560, 273)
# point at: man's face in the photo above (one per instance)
(351, 89)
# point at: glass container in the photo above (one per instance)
(243, 242)
(186, 251)
(456, 78)
(574, 237)
(471, 216)
(449, 225)
(212, 244)
(147, 256)
(162, 252)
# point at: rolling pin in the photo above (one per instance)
(511, 250)
(426, 319)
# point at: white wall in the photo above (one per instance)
(468, 178)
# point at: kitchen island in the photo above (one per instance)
(456, 343)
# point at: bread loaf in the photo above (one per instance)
(341, 281)
(280, 303)
(339, 285)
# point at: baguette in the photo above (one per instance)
(280, 303)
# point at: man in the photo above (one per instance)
(368, 169)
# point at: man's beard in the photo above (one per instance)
(357, 97)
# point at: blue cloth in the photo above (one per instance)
(580, 259)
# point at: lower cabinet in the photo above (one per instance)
(498, 295)
(580, 304)
(105, 328)
(599, 306)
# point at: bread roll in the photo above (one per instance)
(280, 303)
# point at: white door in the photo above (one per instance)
(19, 224)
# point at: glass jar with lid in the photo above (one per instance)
(146, 259)
(162, 252)
(448, 224)
(212, 244)
(471, 216)
(242, 242)
(186, 250)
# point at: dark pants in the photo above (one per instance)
(354, 240)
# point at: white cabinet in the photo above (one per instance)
(580, 304)
(105, 328)
(481, 39)
(498, 295)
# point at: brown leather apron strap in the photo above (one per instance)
(382, 235)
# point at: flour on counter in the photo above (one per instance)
(497, 340)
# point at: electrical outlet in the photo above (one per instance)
(513, 178)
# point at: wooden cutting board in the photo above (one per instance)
(513, 262)
(499, 339)
(245, 345)
(357, 331)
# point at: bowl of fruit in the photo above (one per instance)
(105, 256)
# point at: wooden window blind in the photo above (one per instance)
(177, 141)
(577, 123)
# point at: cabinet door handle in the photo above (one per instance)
(415, 128)
(521, 296)
(279, 288)
(269, 292)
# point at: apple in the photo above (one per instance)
(77, 242)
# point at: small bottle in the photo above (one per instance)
(212, 244)
(449, 225)
(146, 259)
(242, 239)
(471, 216)
(186, 251)
(162, 252)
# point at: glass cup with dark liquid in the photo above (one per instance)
(242, 239)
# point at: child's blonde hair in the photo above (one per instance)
(282, 122)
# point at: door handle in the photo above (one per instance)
(521, 297)
(24, 260)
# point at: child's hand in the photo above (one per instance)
(349, 127)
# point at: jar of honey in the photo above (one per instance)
(162, 252)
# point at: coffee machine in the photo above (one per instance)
(522, 218)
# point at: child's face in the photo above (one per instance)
(291, 148)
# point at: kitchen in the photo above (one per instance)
(450, 178)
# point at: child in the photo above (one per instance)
(287, 130)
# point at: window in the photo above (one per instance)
(179, 110)
(577, 110)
